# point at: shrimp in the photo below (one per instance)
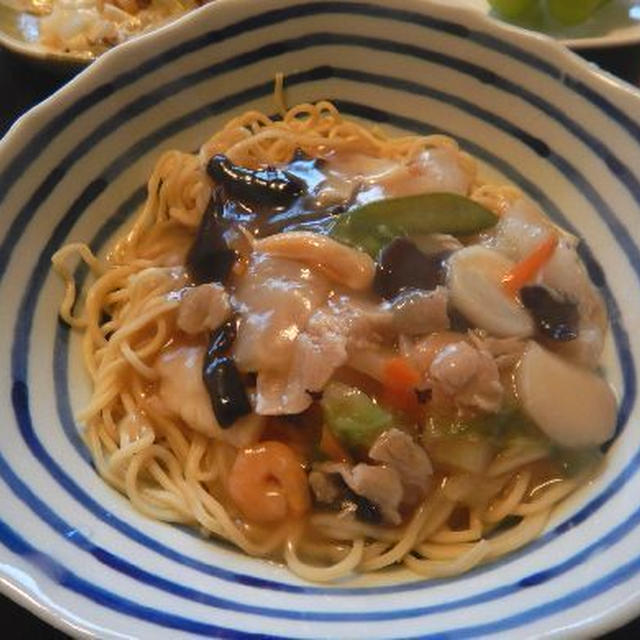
(268, 484)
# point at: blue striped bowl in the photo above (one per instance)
(75, 551)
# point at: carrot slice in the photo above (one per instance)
(399, 373)
(400, 381)
(525, 270)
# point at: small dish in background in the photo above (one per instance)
(615, 23)
(75, 32)
(75, 168)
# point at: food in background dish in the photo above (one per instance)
(564, 11)
(343, 350)
(92, 26)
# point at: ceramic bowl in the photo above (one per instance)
(76, 552)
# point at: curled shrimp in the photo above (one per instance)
(267, 483)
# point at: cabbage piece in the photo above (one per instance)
(353, 417)
(470, 453)
(511, 422)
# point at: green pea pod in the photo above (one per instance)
(374, 224)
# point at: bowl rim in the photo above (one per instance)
(41, 53)
(108, 63)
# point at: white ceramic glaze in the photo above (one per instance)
(73, 550)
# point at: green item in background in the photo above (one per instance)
(573, 11)
(511, 8)
(567, 12)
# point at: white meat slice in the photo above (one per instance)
(324, 488)
(275, 298)
(574, 406)
(317, 353)
(417, 312)
(520, 230)
(566, 274)
(321, 348)
(378, 484)
(203, 308)
(475, 288)
(183, 393)
(435, 170)
(401, 452)
(469, 375)
(440, 169)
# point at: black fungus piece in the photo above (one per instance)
(221, 339)
(228, 396)
(364, 509)
(401, 264)
(266, 207)
(265, 187)
(423, 395)
(210, 258)
(555, 318)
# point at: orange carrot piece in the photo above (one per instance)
(399, 373)
(525, 270)
(400, 381)
(331, 446)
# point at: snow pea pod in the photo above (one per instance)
(372, 225)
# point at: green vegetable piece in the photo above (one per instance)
(374, 224)
(511, 8)
(573, 11)
(506, 425)
(353, 417)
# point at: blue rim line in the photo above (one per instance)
(357, 110)
(101, 181)
(59, 574)
(137, 106)
(107, 558)
(346, 110)
(50, 131)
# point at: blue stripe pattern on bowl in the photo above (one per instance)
(22, 391)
